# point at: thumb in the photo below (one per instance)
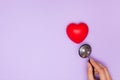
(90, 72)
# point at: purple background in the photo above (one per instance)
(34, 44)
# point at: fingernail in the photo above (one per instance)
(89, 66)
(91, 59)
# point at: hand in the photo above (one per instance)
(99, 69)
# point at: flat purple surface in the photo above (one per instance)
(34, 44)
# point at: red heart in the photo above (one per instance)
(77, 32)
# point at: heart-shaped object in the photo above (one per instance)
(77, 32)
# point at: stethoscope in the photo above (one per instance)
(85, 51)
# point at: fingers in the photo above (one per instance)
(90, 73)
(99, 69)
(106, 72)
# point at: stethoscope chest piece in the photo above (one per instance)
(85, 50)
